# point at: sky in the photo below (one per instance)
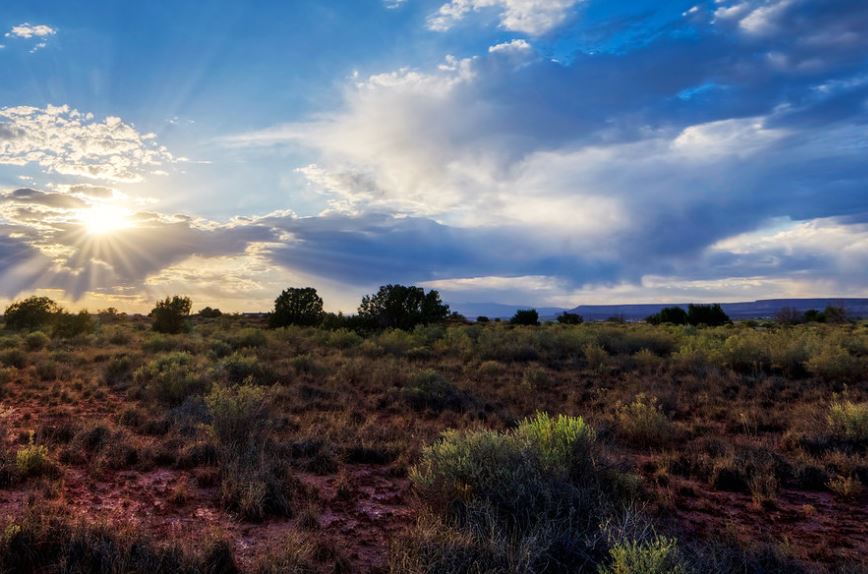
(526, 152)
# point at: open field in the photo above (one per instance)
(729, 449)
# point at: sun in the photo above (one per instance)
(104, 219)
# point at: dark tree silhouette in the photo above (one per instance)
(709, 315)
(297, 306)
(567, 318)
(31, 313)
(671, 315)
(402, 307)
(170, 314)
(210, 313)
(525, 317)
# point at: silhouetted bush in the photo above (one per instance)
(31, 313)
(671, 315)
(525, 317)
(210, 313)
(69, 325)
(296, 307)
(170, 315)
(402, 307)
(708, 315)
(567, 318)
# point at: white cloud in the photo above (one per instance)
(65, 141)
(512, 48)
(28, 31)
(535, 17)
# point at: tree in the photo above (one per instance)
(567, 318)
(788, 316)
(170, 315)
(297, 307)
(482, 319)
(672, 315)
(835, 314)
(402, 307)
(210, 313)
(525, 317)
(69, 325)
(31, 313)
(710, 315)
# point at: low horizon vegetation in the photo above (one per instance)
(502, 446)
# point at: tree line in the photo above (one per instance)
(391, 307)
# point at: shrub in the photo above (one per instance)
(525, 317)
(536, 377)
(708, 315)
(848, 421)
(118, 371)
(834, 362)
(516, 473)
(32, 459)
(642, 422)
(70, 325)
(210, 313)
(297, 307)
(566, 318)
(597, 357)
(428, 389)
(238, 413)
(248, 338)
(670, 315)
(344, 339)
(402, 307)
(240, 368)
(31, 313)
(172, 377)
(848, 487)
(36, 341)
(656, 556)
(170, 314)
(13, 358)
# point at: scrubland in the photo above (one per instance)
(608, 448)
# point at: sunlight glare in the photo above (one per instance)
(104, 219)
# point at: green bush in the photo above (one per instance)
(248, 338)
(516, 501)
(32, 459)
(835, 363)
(642, 422)
(170, 315)
(848, 421)
(238, 413)
(172, 377)
(36, 341)
(428, 389)
(656, 556)
(31, 313)
(239, 368)
(71, 325)
(13, 358)
(517, 474)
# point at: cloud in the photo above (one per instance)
(534, 17)
(595, 173)
(28, 31)
(65, 141)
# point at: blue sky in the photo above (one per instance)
(548, 152)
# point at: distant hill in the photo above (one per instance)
(763, 309)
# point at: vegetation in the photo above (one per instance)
(402, 307)
(490, 447)
(170, 314)
(297, 307)
(525, 317)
